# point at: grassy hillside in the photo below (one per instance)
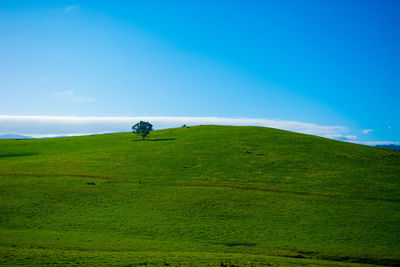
(205, 195)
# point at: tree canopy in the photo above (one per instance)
(142, 128)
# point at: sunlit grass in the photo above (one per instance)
(187, 195)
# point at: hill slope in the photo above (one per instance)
(205, 195)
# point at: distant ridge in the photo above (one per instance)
(14, 136)
(391, 146)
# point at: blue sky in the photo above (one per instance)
(325, 63)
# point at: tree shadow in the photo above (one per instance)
(153, 140)
(14, 155)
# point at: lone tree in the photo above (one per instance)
(142, 128)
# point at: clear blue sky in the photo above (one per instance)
(322, 62)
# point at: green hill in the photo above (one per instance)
(205, 195)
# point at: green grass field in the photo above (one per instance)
(199, 196)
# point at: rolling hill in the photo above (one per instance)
(199, 196)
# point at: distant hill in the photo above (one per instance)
(198, 196)
(392, 146)
(14, 136)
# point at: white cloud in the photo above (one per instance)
(83, 99)
(70, 94)
(64, 93)
(71, 8)
(67, 125)
(367, 131)
(342, 137)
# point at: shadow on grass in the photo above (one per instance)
(152, 140)
(14, 155)
(240, 245)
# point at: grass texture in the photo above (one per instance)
(199, 196)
